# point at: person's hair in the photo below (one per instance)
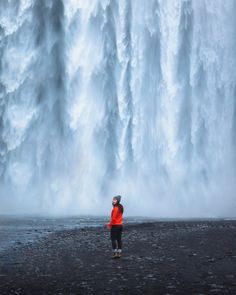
(120, 207)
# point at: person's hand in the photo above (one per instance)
(108, 226)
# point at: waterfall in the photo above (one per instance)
(107, 97)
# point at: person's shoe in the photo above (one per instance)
(118, 254)
(115, 255)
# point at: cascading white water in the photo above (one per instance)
(129, 97)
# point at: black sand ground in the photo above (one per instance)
(187, 257)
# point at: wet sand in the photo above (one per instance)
(184, 257)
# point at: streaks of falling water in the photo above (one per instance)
(129, 97)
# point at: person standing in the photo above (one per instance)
(116, 226)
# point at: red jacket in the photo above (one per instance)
(116, 217)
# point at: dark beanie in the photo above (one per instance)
(118, 198)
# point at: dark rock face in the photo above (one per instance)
(187, 257)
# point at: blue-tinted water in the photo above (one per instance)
(16, 230)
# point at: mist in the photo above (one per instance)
(99, 98)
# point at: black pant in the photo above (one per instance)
(116, 231)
